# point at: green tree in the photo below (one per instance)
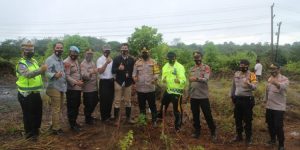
(144, 37)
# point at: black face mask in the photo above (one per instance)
(58, 53)
(197, 62)
(74, 57)
(145, 56)
(171, 62)
(244, 69)
(106, 53)
(29, 55)
(274, 74)
(124, 53)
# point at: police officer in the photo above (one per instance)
(89, 88)
(29, 83)
(198, 77)
(74, 87)
(276, 105)
(244, 82)
(173, 77)
(145, 75)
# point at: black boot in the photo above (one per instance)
(128, 115)
(196, 134)
(238, 138)
(177, 121)
(116, 116)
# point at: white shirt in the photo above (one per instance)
(258, 69)
(107, 73)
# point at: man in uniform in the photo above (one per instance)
(244, 82)
(173, 76)
(199, 75)
(89, 88)
(122, 68)
(106, 83)
(276, 105)
(74, 87)
(57, 86)
(29, 83)
(145, 75)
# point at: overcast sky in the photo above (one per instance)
(192, 21)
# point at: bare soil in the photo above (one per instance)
(107, 136)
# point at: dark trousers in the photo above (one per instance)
(150, 97)
(177, 109)
(32, 113)
(73, 103)
(106, 91)
(274, 119)
(243, 114)
(90, 100)
(204, 104)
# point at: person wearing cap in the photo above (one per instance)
(122, 68)
(57, 86)
(90, 94)
(29, 84)
(198, 93)
(244, 82)
(145, 75)
(276, 105)
(74, 87)
(106, 83)
(173, 77)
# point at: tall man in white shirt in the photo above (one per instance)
(258, 70)
(106, 83)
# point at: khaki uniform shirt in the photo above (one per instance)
(72, 69)
(146, 73)
(276, 97)
(239, 87)
(199, 89)
(89, 79)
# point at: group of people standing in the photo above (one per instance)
(116, 77)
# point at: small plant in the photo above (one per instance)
(166, 140)
(126, 142)
(142, 120)
(196, 148)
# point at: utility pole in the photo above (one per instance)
(277, 45)
(272, 46)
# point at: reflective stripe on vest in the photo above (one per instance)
(29, 84)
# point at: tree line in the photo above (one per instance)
(223, 58)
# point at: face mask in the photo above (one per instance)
(145, 56)
(124, 53)
(106, 53)
(58, 53)
(197, 62)
(171, 62)
(29, 55)
(89, 58)
(244, 69)
(74, 57)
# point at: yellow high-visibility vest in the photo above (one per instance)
(29, 84)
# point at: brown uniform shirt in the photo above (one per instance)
(146, 73)
(276, 97)
(72, 69)
(239, 87)
(89, 78)
(199, 89)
